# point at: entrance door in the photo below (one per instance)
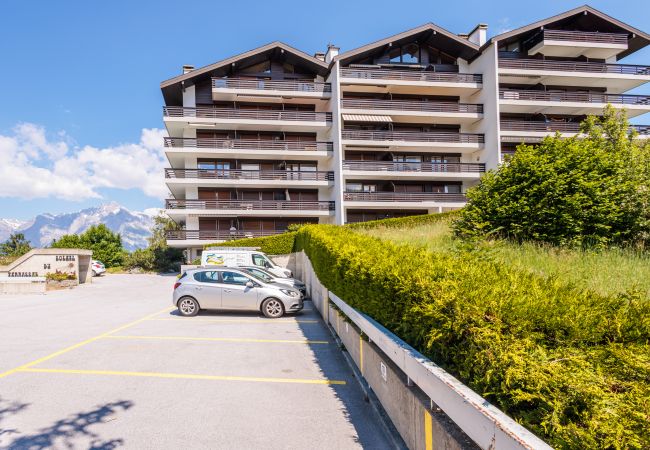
(235, 294)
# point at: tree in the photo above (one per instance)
(16, 245)
(589, 191)
(157, 256)
(106, 245)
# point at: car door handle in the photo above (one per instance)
(227, 290)
(198, 288)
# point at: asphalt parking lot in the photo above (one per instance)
(110, 365)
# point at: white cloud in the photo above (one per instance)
(33, 166)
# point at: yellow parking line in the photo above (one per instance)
(184, 376)
(80, 344)
(219, 339)
(262, 321)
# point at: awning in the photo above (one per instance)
(366, 118)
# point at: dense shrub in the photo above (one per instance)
(106, 245)
(60, 276)
(404, 222)
(142, 258)
(571, 365)
(590, 192)
(277, 244)
(15, 246)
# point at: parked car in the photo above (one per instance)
(97, 267)
(271, 278)
(241, 256)
(234, 289)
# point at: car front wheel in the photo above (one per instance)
(188, 307)
(272, 308)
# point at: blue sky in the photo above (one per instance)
(86, 74)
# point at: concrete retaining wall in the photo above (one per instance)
(30, 285)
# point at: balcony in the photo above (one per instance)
(261, 208)
(375, 79)
(416, 111)
(617, 78)
(232, 88)
(390, 170)
(178, 117)
(533, 131)
(435, 141)
(180, 238)
(571, 44)
(400, 200)
(571, 102)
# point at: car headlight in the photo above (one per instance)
(290, 293)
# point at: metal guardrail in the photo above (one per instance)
(236, 174)
(411, 75)
(389, 197)
(250, 144)
(572, 66)
(248, 205)
(412, 105)
(584, 36)
(413, 136)
(252, 114)
(488, 426)
(391, 166)
(272, 85)
(175, 235)
(576, 97)
(524, 125)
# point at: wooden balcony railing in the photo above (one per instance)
(370, 73)
(175, 235)
(272, 85)
(250, 114)
(572, 96)
(250, 144)
(249, 205)
(413, 136)
(233, 174)
(412, 105)
(551, 127)
(391, 166)
(403, 197)
(573, 66)
(583, 36)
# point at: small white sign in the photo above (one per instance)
(347, 328)
(382, 367)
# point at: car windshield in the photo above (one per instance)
(256, 276)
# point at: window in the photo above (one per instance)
(260, 274)
(207, 277)
(234, 278)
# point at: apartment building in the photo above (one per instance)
(401, 126)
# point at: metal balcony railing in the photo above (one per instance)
(250, 114)
(272, 85)
(247, 205)
(413, 136)
(391, 166)
(250, 144)
(174, 235)
(410, 75)
(236, 174)
(573, 96)
(551, 127)
(403, 197)
(583, 36)
(412, 105)
(573, 66)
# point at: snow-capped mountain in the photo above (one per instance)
(133, 226)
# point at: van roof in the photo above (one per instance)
(231, 249)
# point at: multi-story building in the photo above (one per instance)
(401, 126)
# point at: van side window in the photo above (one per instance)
(234, 278)
(259, 260)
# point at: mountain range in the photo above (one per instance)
(133, 226)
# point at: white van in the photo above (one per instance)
(241, 256)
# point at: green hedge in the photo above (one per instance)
(403, 222)
(278, 244)
(570, 365)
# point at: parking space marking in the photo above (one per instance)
(260, 321)
(219, 339)
(80, 344)
(183, 376)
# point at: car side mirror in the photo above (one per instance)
(267, 265)
(250, 284)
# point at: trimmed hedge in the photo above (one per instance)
(570, 365)
(403, 222)
(277, 244)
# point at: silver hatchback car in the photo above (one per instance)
(234, 289)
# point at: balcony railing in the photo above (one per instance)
(551, 127)
(410, 75)
(414, 136)
(403, 197)
(236, 174)
(582, 36)
(251, 205)
(391, 166)
(250, 144)
(573, 66)
(272, 85)
(251, 114)
(175, 235)
(412, 105)
(577, 97)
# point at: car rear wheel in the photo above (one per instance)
(188, 307)
(272, 308)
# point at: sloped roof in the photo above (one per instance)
(451, 43)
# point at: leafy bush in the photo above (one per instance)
(404, 222)
(571, 365)
(589, 192)
(15, 246)
(60, 276)
(106, 245)
(144, 259)
(277, 244)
